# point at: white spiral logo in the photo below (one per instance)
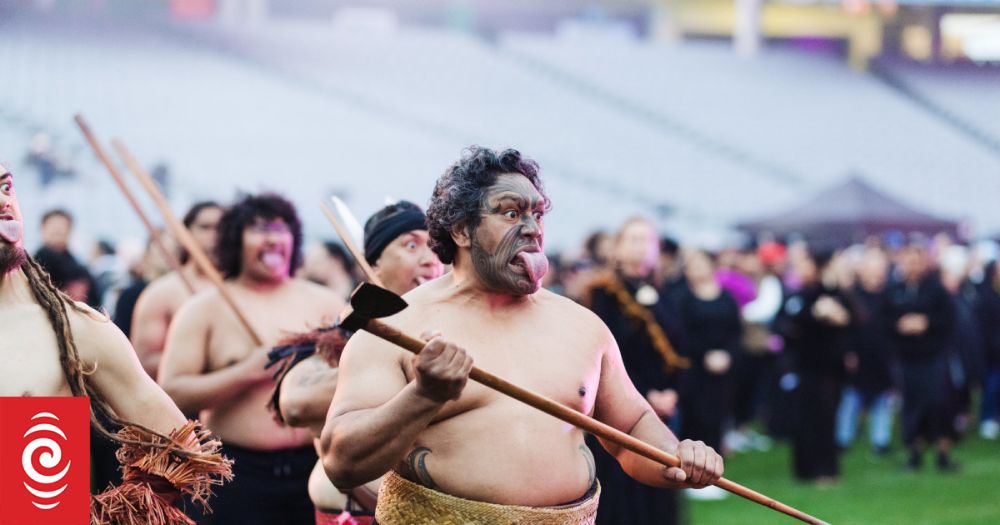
(49, 459)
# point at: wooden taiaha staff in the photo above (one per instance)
(351, 247)
(369, 302)
(154, 234)
(205, 264)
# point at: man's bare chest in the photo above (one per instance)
(550, 360)
(229, 341)
(30, 357)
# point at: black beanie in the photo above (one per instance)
(388, 223)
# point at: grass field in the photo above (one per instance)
(871, 490)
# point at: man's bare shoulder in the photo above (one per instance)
(203, 303)
(166, 285)
(368, 350)
(94, 334)
(569, 310)
(165, 293)
(429, 292)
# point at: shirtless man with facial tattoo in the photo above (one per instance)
(461, 451)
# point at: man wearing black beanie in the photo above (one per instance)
(396, 245)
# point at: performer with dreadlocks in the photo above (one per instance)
(76, 351)
(211, 364)
(463, 453)
(396, 247)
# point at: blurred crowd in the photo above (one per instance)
(738, 346)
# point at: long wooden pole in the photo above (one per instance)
(554, 408)
(351, 247)
(168, 256)
(583, 421)
(184, 236)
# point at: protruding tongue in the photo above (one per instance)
(272, 260)
(535, 264)
(11, 230)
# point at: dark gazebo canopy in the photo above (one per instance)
(848, 213)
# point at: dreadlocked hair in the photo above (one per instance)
(54, 302)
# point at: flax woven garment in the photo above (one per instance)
(402, 502)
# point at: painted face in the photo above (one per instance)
(204, 229)
(506, 247)
(408, 262)
(11, 225)
(267, 250)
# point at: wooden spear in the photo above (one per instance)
(184, 236)
(154, 234)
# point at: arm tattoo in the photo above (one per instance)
(591, 466)
(417, 464)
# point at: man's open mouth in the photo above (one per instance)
(11, 229)
(529, 261)
(274, 259)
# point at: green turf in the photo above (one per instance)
(871, 490)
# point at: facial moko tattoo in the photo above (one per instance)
(506, 246)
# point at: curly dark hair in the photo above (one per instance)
(459, 193)
(243, 213)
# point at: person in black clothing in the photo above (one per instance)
(668, 275)
(920, 319)
(710, 320)
(869, 383)
(64, 269)
(814, 321)
(150, 267)
(637, 315)
(966, 346)
(988, 310)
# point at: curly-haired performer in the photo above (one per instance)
(466, 454)
(76, 351)
(396, 245)
(212, 366)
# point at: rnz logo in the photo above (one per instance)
(43, 461)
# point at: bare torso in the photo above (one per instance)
(154, 310)
(295, 307)
(30, 354)
(489, 447)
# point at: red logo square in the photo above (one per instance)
(44, 461)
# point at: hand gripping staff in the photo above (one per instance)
(369, 303)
